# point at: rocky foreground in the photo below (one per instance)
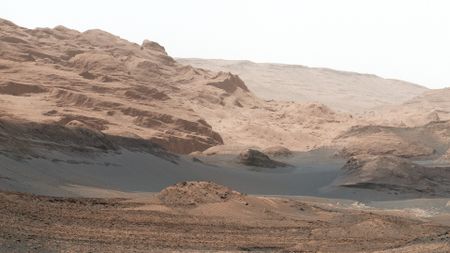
(194, 216)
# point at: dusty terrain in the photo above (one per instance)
(239, 223)
(89, 114)
(340, 90)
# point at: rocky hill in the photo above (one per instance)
(98, 81)
(108, 84)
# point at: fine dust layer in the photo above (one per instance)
(32, 223)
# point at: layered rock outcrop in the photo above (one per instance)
(252, 157)
(129, 88)
(392, 173)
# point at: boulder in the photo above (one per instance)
(194, 193)
(252, 157)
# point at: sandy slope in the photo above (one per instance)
(346, 91)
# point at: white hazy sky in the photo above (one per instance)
(403, 39)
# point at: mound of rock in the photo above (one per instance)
(394, 173)
(276, 151)
(383, 140)
(252, 157)
(194, 193)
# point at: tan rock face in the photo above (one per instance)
(96, 76)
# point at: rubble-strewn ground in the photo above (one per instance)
(32, 223)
